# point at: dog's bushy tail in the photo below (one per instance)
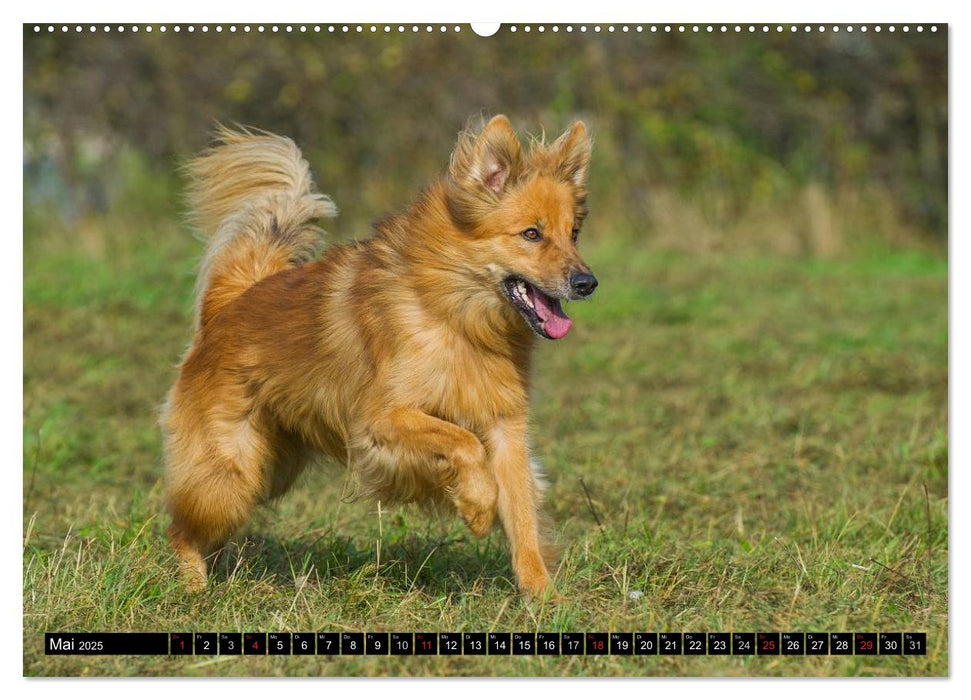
(253, 199)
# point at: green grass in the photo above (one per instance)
(763, 440)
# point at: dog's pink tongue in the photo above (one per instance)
(555, 322)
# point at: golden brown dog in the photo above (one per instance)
(406, 355)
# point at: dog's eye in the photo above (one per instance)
(531, 234)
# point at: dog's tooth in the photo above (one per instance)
(529, 302)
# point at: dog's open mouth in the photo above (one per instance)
(543, 313)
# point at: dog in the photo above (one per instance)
(406, 356)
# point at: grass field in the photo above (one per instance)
(764, 442)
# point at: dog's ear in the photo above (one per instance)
(489, 159)
(572, 151)
(483, 166)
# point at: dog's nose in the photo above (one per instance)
(583, 283)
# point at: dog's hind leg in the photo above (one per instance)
(191, 549)
(211, 491)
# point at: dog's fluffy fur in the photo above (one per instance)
(406, 355)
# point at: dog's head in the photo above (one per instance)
(524, 210)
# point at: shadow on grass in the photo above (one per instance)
(404, 562)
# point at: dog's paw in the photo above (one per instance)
(476, 497)
(538, 588)
(478, 517)
(548, 597)
(477, 502)
(193, 579)
(533, 578)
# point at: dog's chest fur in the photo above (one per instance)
(449, 378)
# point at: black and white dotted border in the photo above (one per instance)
(513, 28)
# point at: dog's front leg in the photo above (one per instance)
(412, 436)
(519, 498)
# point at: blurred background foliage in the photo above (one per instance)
(792, 143)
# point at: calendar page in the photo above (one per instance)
(524, 349)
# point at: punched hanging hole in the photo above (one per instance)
(485, 28)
